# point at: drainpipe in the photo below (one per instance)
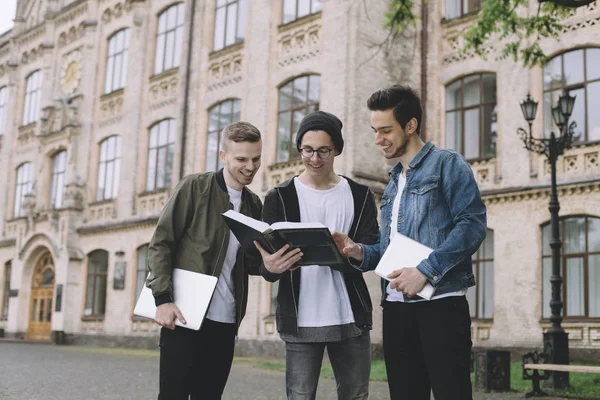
(186, 95)
(424, 46)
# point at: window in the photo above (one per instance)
(109, 169)
(580, 267)
(294, 9)
(169, 39)
(481, 297)
(274, 290)
(219, 117)
(6, 290)
(160, 155)
(141, 270)
(31, 106)
(57, 188)
(116, 61)
(3, 108)
(296, 99)
(23, 186)
(460, 8)
(471, 116)
(95, 298)
(230, 23)
(575, 72)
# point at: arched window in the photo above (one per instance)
(3, 108)
(22, 187)
(230, 23)
(294, 9)
(273, 303)
(219, 116)
(580, 267)
(141, 270)
(95, 297)
(481, 297)
(6, 290)
(57, 185)
(31, 105)
(460, 8)
(109, 169)
(160, 155)
(116, 61)
(471, 116)
(169, 38)
(296, 99)
(577, 73)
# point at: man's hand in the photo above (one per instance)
(410, 281)
(166, 314)
(278, 262)
(347, 247)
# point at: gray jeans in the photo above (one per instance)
(350, 360)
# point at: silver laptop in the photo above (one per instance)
(192, 293)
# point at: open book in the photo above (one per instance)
(313, 238)
(404, 252)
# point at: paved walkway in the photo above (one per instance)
(39, 371)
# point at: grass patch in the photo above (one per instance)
(112, 350)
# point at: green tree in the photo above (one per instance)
(503, 20)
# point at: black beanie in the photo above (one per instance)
(322, 121)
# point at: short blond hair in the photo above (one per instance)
(239, 132)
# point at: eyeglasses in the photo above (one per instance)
(322, 152)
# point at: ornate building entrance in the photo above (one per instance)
(42, 293)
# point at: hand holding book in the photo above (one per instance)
(280, 261)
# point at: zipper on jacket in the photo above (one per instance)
(291, 272)
(359, 296)
(361, 213)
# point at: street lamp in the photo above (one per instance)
(556, 341)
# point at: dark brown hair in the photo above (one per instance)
(239, 132)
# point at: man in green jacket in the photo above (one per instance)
(191, 234)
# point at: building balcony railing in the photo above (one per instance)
(150, 204)
(163, 89)
(111, 108)
(225, 67)
(101, 212)
(299, 41)
(283, 171)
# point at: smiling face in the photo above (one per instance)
(316, 165)
(241, 161)
(389, 135)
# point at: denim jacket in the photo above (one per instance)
(441, 207)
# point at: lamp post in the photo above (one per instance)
(556, 342)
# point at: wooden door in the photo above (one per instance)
(42, 293)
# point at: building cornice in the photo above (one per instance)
(8, 243)
(118, 226)
(534, 192)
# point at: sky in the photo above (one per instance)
(7, 14)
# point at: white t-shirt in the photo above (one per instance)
(393, 294)
(222, 306)
(323, 298)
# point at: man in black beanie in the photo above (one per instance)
(320, 306)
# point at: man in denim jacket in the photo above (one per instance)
(431, 197)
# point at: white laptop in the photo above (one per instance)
(192, 293)
(404, 252)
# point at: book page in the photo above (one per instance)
(248, 221)
(296, 225)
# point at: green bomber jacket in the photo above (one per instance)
(191, 234)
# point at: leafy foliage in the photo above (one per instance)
(507, 21)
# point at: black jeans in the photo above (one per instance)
(427, 346)
(195, 364)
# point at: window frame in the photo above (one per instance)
(215, 133)
(565, 88)
(462, 13)
(161, 56)
(156, 130)
(480, 106)
(103, 167)
(4, 95)
(311, 7)
(114, 55)
(563, 267)
(23, 185)
(239, 31)
(6, 290)
(480, 288)
(96, 275)
(144, 271)
(58, 179)
(31, 100)
(293, 154)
